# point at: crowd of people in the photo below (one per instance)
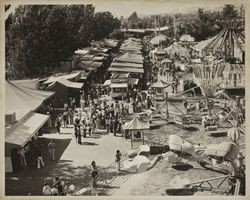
(58, 188)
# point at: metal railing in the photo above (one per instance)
(106, 175)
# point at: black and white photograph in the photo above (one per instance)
(124, 98)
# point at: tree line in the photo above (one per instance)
(39, 37)
(200, 24)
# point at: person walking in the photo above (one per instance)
(51, 147)
(49, 120)
(185, 104)
(79, 136)
(65, 119)
(107, 124)
(58, 125)
(39, 157)
(71, 116)
(82, 103)
(118, 156)
(76, 125)
(94, 172)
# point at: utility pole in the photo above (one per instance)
(174, 27)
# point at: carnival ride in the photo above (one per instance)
(208, 76)
(225, 157)
(222, 112)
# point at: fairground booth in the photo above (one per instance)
(160, 89)
(23, 120)
(64, 91)
(135, 129)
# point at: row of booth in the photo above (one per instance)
(29, 101)
(88, 67)
(25, 115)
(126, 69)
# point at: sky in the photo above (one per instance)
(146, 7)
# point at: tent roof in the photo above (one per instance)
(107, 82)
(176, 47)
(29, 83)
(120, 75)
(158, 39)
(99, 58)
(136, 124)
(126, 69)
(22, 100)
(53, 79)
(82, 51)
(202, 44)
(187, 38)
(67, 83)
(92, 64)
(166, 60)
(20, 134)
(133, 39)
(134, 51)
(133, 30)
(126, 64)
(133, 81)
(110, 42)
(160, 84)
(130, 57)
(119, 85)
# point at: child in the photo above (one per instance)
(118, 159)
(94, 172)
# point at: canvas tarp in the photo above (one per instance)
(133, 81)
(21, 134)
(126, 69)
(160, 84)
(130, 57)
(178, 49)
(136, 124)
(119, 85)
(158, 39)
(202, 44)
(111, 43)
(127, 64)
(82, 51)
(187, 38)
(53, 79)
(29, 83)
(23, 100)
(67, 83)
(107, 82)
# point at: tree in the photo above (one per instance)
(39, 37)
(229, 11)
(7, 7)
(117, 34)
(134, 21)
(104, 24)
